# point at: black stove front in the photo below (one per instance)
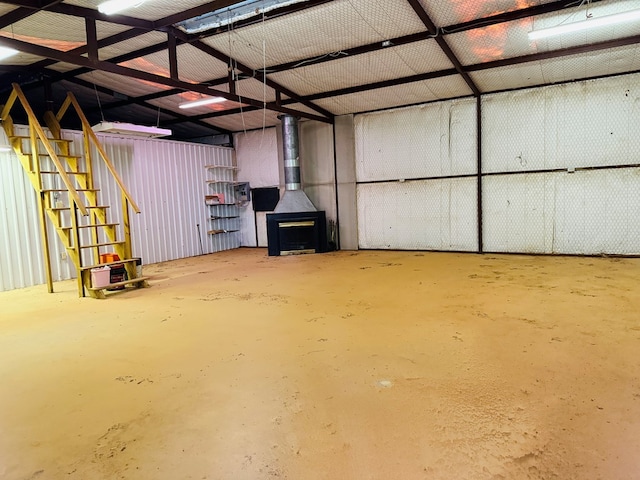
(296, 233)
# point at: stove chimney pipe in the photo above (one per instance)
(291, 152)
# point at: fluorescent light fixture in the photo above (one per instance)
(231, 14)
(131, 129)
(115, 6)
(5, 148)
(6, 52)
(202, 101)
(589, 23)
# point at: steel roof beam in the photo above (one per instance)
(133, 73)
(421, 36)
(179, 117)
(444, 46)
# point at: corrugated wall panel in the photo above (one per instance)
(418, 215)
(19, 231)
(168, 181)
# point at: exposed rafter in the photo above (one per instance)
(179, 117)
(444, 46)
(87, 57)
(141, 75)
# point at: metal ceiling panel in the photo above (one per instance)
(459, 11)
(5, 8)
(59, 32)
(131, 45)
(381, 65)
(106, 29)
(245, 121)
(318, 31)
(396, 96)
(193, 65)
(129, 86)
(508, 40)
(573, 67)
(149, 10)
(252, 88)
(62, 67)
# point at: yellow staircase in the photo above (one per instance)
(67, 195)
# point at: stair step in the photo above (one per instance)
(97, 245)
(60, 155)
(89, 207)
(55, 172)
(120, 284)
(50, 190)
(93, 225)
(53, 140)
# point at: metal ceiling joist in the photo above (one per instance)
(275, 13)
(179, 117)
(421, 36)
(34, 4)
(15, 16)
(193, 12)
(444, 46)
(141, 75)
(82, 12)
(171, 45)
(259, 76)
(534, 57)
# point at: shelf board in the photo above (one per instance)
(220, 231)
(222, 167)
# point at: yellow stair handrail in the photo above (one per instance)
(17, 94)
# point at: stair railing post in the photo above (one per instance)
(88, 158)
(77, 259)
(42, 216)
(126, 225)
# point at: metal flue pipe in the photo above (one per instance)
(291, 152)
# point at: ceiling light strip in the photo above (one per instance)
(201, 102)
(115, 6)
(587, 24)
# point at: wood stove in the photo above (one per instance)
(296, 233)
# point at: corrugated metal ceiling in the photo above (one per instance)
(317, 59)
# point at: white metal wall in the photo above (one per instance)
(257, 155)
(259, 162)
(317, 166)
(400, 155)
(166, 179)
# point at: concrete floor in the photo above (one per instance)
(368, 365)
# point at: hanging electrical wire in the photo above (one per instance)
(264, 80)
(233, 65)
(95, 88)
